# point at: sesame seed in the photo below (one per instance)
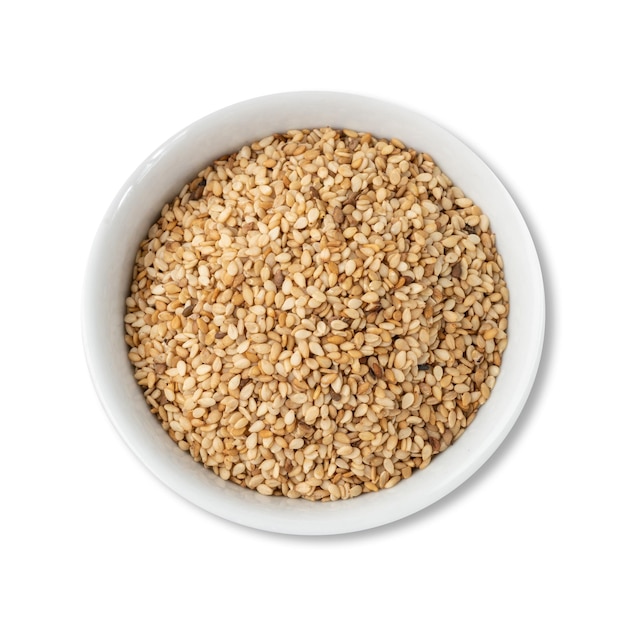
(323, 319)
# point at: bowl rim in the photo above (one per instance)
(338, 517)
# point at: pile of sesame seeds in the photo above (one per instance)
(318, 315)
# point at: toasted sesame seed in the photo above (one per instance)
(323, 318)
(408, 400)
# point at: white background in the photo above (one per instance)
(88, 536)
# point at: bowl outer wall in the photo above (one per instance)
(161, 176)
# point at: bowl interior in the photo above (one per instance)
(162, 175)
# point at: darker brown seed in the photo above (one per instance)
(352, 144)
(352, 197)
(376, 369)
(199, 190)
(279, 278)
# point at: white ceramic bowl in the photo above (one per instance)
(163, 174)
